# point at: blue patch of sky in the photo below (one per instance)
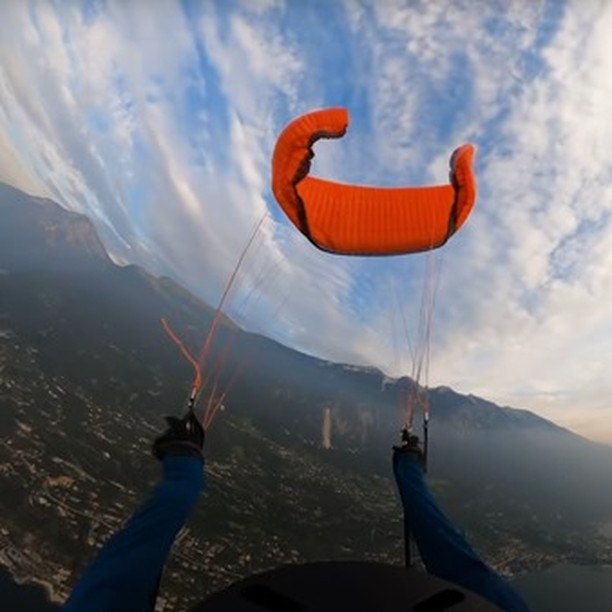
(445, 106)
(33, 14)
(91, 10)
(155, 90)
(122, 88)
(570, 252)
(137, 195)
(387, 283)
(209, 105)
(441, 107)
(141, 151)
(530, 64)
(330, 54)
(568, 257)
(97, 122)
(548, 26)
(530, 299)
(138, 192)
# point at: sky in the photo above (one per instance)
(158, 120)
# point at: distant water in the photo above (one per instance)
(568, 588)
(14, 597)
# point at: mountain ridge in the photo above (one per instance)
(70, 234)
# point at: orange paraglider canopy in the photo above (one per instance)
(364, 220)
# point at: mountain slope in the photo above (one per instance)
(31, 229)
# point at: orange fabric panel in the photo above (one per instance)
(358, 219)
(464, 182)
(363, 220)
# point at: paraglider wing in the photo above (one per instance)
(363, 220)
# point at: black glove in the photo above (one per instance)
(183, 437)
(411, 445)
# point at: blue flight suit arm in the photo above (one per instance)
(125, 574)
(443, 550)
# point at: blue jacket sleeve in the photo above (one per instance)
(443, 550)
(125, 573)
